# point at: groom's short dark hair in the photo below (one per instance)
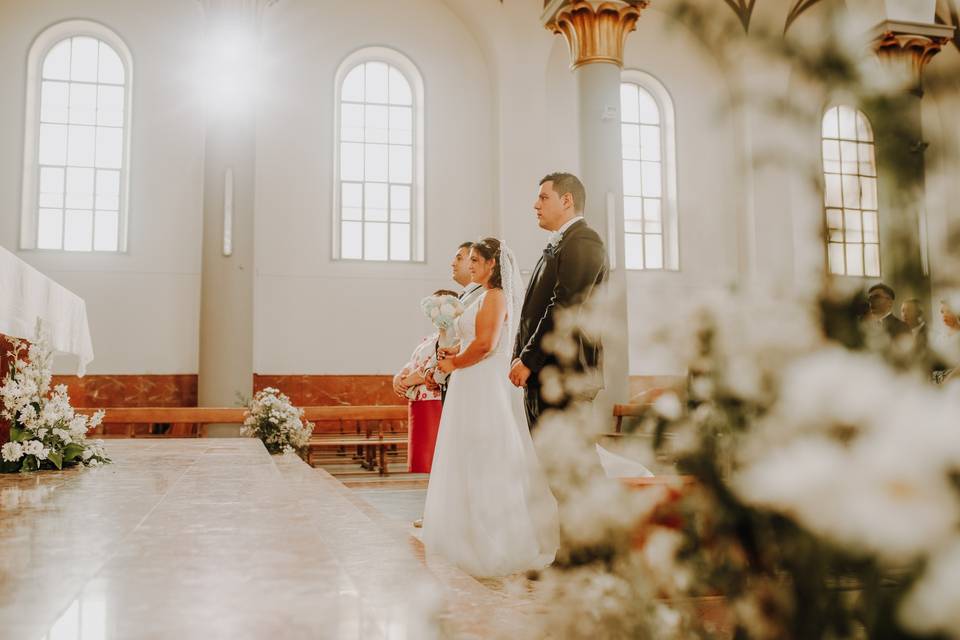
(568, 183)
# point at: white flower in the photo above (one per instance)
(12, 451)
(87, 453)
(33, 448)
(933, 605)
(668, 406)
(446, 309)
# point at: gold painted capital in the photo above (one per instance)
(596, 32)
(910, 49)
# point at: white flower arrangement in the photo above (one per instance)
(443, 311)
(271, 417)
(45, 433)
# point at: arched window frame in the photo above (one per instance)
(668, 163)
(42, 45)
(414, 79)
(851, 206)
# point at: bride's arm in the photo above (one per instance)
(490, 317)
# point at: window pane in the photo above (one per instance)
(848, 123)
(108, 184)
(649, 113)
(56, 66)
(399, 88)
(651, 210)
(631, 178)
(864, 132)
(834, 225)
(399, 242)
(633, 226)
(79, 188)
(630, 141)
(400, 203)
(650, 142)
(868, 193)
(53, 144)
(83, 104)
(80, 146)
(632, 208)
(831, 128)
(351, 161)
(848, 157)
(866, 164)
(652, 227)
(401, 125)
(833, 193)
(351, 194)
(871, 258)
(633, 251)
(351, 122)
(83, 62)
(51, 187)
(401, 164)
(50, 229)
(375, 162)
(851, 221)
(835, 258)
(653, 248)
(629, 110)
(351, 240)
(851, 192)
(53, 102)
(376, 123)
(376, 84)
(831, 156)
(351, 213)
(375, 205)
(651, 179)
(375, 241)
(871, 232)
(854, 259)
(110, 106)
(353, 85)
(111, 69)
(109, 147)
(78, 230)
(105, 231)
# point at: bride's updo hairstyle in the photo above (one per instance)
(489, 249)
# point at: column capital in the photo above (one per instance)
(594, 31)
(909, 45)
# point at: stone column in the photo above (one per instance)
(227, 281)
(595, 33)
(905, 49)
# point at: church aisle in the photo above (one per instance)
(214, 538)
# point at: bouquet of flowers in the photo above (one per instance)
(45, 433)
(271, 417)
(443, 311)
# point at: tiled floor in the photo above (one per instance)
(217, 539)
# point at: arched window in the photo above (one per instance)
(649, 173)
(76, 146)
(850, 193)
(378, 194)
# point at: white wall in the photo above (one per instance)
(315, 315)
(142, 305)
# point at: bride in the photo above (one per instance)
(489, 509)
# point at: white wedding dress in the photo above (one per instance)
(489, 509)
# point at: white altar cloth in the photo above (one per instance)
(26, 295)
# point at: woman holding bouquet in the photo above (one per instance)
(489, 509)
(416, 383)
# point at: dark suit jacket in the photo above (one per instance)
(894, 326)
(564, 278)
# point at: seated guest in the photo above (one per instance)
(946, 345)
(912, 314)
(415, 383)
(880, 317)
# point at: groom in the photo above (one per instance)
(571, 268)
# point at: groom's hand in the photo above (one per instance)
(519, 373)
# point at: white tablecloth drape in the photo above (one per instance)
(26, 295)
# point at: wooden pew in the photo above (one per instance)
(374, 429)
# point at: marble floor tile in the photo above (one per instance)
(201, 538)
